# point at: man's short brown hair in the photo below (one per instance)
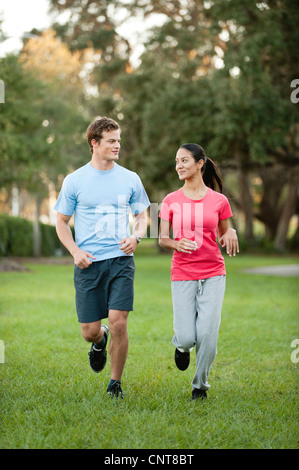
(96, 129)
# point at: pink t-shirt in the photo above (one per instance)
(196, 220)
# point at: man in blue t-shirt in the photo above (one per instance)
(100, 195)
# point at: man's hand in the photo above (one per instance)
(128, 245)
(81, 258)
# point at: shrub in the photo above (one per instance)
(16, 237)
(4, 235)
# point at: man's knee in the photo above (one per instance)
(91, 331)
(118, 322)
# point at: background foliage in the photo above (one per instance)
(16, 238)
(215, 73)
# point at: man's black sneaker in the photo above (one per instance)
(98, 357)
(115, 390)
(198, 393)
(182, 359)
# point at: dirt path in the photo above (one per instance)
(283, 270)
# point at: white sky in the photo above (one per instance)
(20, 16)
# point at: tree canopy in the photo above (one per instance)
(218, 73)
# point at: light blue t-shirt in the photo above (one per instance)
(101, 201)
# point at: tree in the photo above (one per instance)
(17, 115)
(260, 62)
(90, 29)
(41, 121)
(65, 114)
(240, 112)
(217, 73)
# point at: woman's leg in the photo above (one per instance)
(184, 313)
(209, 299)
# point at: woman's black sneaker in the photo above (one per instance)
(97, 356)
(182, 359)
(198, 393)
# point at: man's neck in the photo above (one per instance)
(102, 165)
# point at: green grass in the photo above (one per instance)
(50, 398)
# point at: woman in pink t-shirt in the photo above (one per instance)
(197, 214)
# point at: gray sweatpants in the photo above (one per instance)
(196, 319)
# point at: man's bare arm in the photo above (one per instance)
(65, 235)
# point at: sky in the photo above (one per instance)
(20, 16)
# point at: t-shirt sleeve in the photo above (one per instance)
(165, 211)
(67, 198)
(139, 201)
(225, 211)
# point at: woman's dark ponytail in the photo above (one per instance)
(210, 173)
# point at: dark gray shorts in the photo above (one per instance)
(103, 286)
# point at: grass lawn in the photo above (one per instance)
(50, 398)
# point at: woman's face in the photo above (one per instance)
(186, 166)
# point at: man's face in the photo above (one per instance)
(108, 147)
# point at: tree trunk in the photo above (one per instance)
(247, 203)
(295, 239)
(289, 209)
(36, 228)
(244, 188)
(15, 201)
(274, 179)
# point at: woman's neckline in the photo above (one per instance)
(196, 200)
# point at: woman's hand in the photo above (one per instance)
(230, 240)
(185, 246)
